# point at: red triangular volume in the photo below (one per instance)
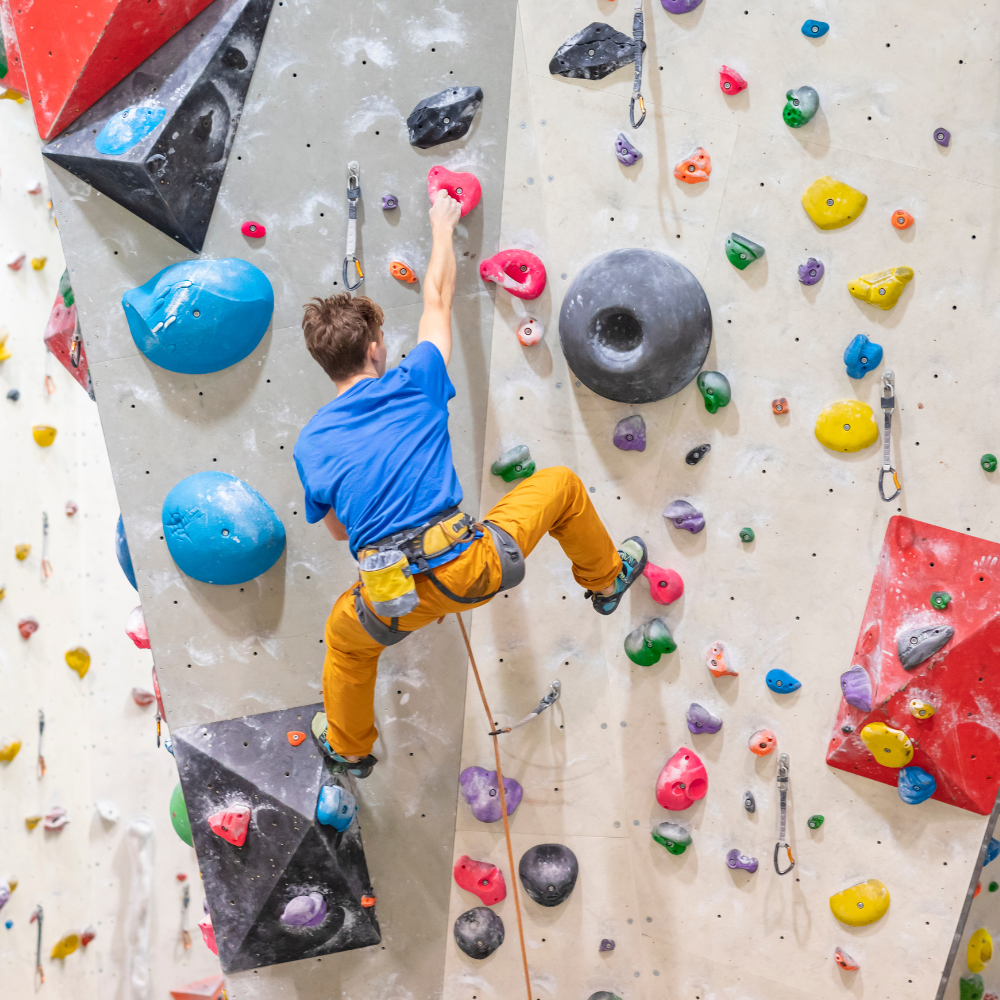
(210, 988)
(73, 53)
(63, 337)
(958, 744)
(11, 70)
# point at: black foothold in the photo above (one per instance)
(593, 53)
(13, 395)
(444, 117)
(548, 873)
(479, 932)
(695, 455)
(749, 803)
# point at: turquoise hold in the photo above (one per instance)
(122, 552)
(127, 128)
(815, 29)
(220, 530)
(862, 356)
(200, 316)
(336, 807)
(781, 682)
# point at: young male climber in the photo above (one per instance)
(377, 469)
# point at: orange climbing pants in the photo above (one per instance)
(553, 501)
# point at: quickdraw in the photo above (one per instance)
(353, 194)
(888, 405)
(636, 87)
(555, 689)
(783, 795)
(41, 756)
(46, 565)
(37, 916)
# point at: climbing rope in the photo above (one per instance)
(503, 802)
(636, 87)
(888, 405)
(783, 793)
(353, 194)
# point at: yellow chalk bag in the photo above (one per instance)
(389, 582)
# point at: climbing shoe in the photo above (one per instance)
(359, 768)
(634, 559)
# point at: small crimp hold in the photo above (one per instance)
(779, 406)
(730, 82)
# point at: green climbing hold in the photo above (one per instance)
(747, 535)
(66, 289)
(515, 463)
(673, 837)
(940, 599)
(3, 58)
(714, 389)
(742, 251)
(994, 886)
(801, 106)
(989, 462)
(179, 816)
(815, 822)
(648, 643)
(971, 987)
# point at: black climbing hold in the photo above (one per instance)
(695, 455)
(594, 53)
(635, 326)
(548, 873)
(444, 117)
(287, 852)
(479, 932)
(167, 129)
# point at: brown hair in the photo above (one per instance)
(338, 331)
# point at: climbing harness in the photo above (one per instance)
(555, 689)
(46, 565)
(636, 87)
(783, 795)
(503, 803)
(41, 757)
(37, 916)
(353, 194)
(888, 405)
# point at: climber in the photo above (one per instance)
(376, 467)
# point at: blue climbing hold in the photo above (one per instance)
(336, 807)
(992, 851)
(220, 530)
(200, 316)
(8, 924)
(127, 128)
(121, 550)
(915, 785)
(781, 682)
(862, 356)
(815, 29)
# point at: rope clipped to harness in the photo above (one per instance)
(783, 795)
(353, 194)
(637, 85)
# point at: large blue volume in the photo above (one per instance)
(200, 316)
(121, 550)
(220, 530)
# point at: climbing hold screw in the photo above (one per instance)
(815, 822)
(940, 599)
(746, 534)
(989, 462)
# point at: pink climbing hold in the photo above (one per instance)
(208, 933)
(255, 230)
(142, 697)
(56, 818)
(231, 824)
(71, 508)
(682, 781)
(135, 628)
(16, 262)
(27, 627)
(464, 188)
(482, 878)
(730, 82)
(665, 585)
(519, 271)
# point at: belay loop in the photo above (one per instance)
(888, 405)
(353, 194)
(783, 795)
(636, 87)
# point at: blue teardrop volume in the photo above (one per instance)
(200, 316)
(221, 530)
(121, 550)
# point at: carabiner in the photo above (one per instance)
(783, 762)
(361, 278)
(631, 110)
(888, 405)
(637, 31)
(895, 479)
(76, 348)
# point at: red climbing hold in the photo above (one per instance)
(135, 628)
(231, 824)
(159, 697)
(464, 188)
(730, 82)
(142, 697)
(255, 230)
(682, 781)
(208, 933)
(27, 627)
(295, 738)
(958, 745)
(87, 935)
(519, 271)
(14, 80)
(482, 878)
(210, 988)
(62, 336)
(665, 585)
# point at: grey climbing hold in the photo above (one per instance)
(479, 932)
(604, 995)
(593, 53)
(695, 455)
(13, 395)
(701, 720)
(749, 802)
(548, 873)
(915, 645)
(635, 326)
(627, 153)
(685, 515)
(444, 116)
(630, 434)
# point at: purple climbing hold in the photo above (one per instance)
(389, 202)
(630, 434)
(736, 860)
(811, 271)
(680, 6)
(942, 136)
(305, 911)
(625, 151)
(701, 720)
(607, 945)
(857, 688)
(479, 788)
(685, 515)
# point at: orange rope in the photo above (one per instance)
(503, 804)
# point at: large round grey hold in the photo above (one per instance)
(635, 326)
(479, 932)
(548, 873)
(604, 995)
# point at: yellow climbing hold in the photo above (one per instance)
(21, 552)
(4, 353)
(832, 204)
(847, 425)
(921, 709)
(32, 821)
(980, 950)
(861, 904)
(79, 660)
(881, 289)
(3, 591)
(9, 749)
(890, 747)
(37, 263)
(12, 95)
(66, 945)
(43, 434)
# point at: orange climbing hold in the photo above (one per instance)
(762, 742)
(368, 901)
(779, 405)
(402, 272)
(295, 738)
(901, 219)
(717, 663)
(210, 988)
(695, 169)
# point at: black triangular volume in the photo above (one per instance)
(169, 173)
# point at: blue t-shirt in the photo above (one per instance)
(380, 454)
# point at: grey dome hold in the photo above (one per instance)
(444, 116)
(548, 873)
(479, 932)
(635, 326)
(604, 995)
